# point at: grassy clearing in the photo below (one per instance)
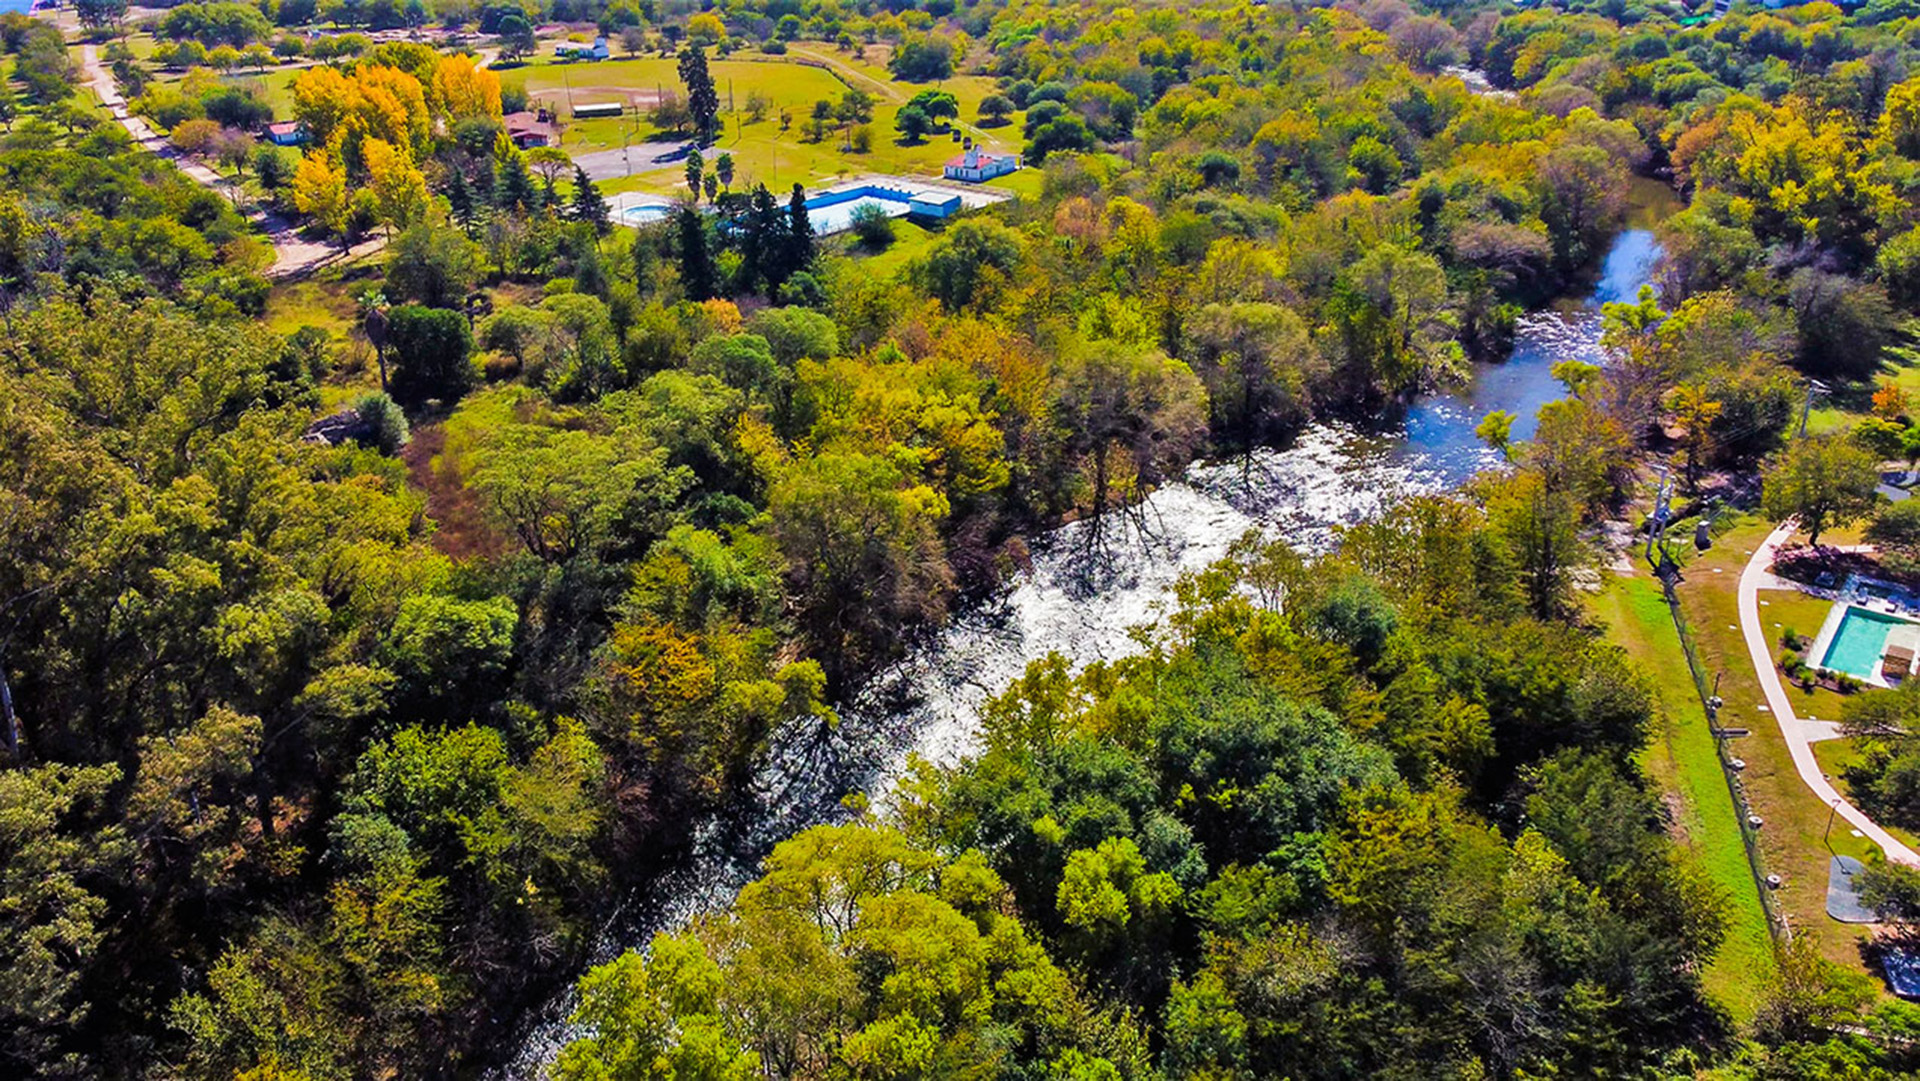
(1794, 839)
(909, 241)
(762, 152)
(1682, 760)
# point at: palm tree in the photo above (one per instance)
(723, 168)
(373, 320)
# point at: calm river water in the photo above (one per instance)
(1082, 604)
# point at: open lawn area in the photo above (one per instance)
(1681, 760)
(1794, 838)
(762, 151)
(909, 241)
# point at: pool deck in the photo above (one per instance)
(972, 196)
(1800, 734)
(1846, 600)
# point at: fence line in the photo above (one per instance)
(1736, 789)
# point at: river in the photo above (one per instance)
(1082, 604)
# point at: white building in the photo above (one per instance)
(976, 165)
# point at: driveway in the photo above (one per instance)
(1800, 734)
(632, 160)
(293, 255)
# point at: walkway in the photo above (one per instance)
(1800, 734)
(293, 255)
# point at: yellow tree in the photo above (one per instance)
(1694, 411)
(1900, 122)
(323, 98)
(320, 192)
(399, 188)
(464, 90)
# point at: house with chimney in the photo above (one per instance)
(974, 165)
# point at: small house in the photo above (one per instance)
(975, 165)
(573, 50)
(598, 110)
(527, 129)
(286, 133)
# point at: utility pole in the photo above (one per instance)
(1814, 386)
(1657, 528)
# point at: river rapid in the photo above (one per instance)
(1082, 603)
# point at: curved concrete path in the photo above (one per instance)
(1800, 734)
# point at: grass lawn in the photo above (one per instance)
(1844, 407)
(1796, 820)
(1835, 756)
(909, 240)
(1024, 182)
(761, 151)
(322, 301)
(1682, 761)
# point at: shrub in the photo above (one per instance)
(872, 227)
(386, 425)
(863, 139)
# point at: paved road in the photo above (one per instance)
(1800, 734)
(293, 255)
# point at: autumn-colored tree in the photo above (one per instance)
(462, 90)
(399, 188)
(320, 192)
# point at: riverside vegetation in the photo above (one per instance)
(328, 760)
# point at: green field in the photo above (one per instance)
(1794, 838)
(762, 152)
(1682, 760)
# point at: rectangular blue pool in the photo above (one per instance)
(1859, 642)
(828, 213)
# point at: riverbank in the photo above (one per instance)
(1083, 602)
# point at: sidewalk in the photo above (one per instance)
(1800, 734)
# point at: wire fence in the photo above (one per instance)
(1736, 787)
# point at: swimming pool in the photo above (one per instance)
(645, 213)
(833, 212)
(1859, 641)
(829, 212)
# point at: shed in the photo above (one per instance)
(933, 204)
(286, 133)
(598, 110)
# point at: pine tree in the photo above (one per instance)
(513, 185)
(703, 100)
(799, 254)
(764, 240)
(696, 262)
(460, 201)
(588, 206)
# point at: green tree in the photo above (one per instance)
(703, 101)
(1824, 481)
(433, 265)
(432, 350)
(588, 205)
(863, 553)
(968, 265)
(696, 258)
